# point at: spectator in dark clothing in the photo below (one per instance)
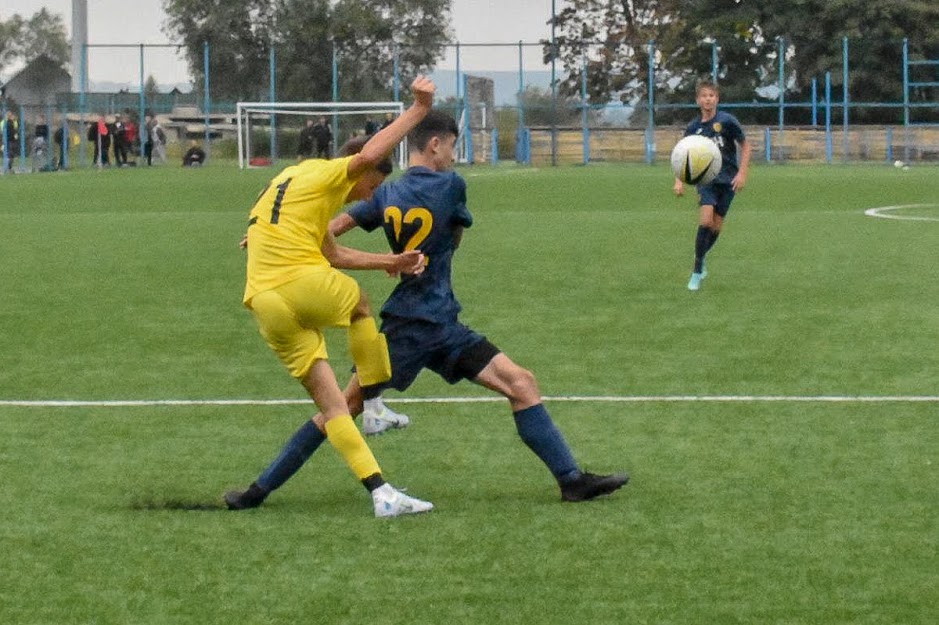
(146, 135)
(61, 139)
(371, 126)
(194, 156)
(119, 140)
(100, 137)
(10, 137)
(324, 138)
(307, 141)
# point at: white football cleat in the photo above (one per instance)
(391, 502)
(378, 421)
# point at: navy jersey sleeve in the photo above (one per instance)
(734, 130)
(368, 214)
(461, 214)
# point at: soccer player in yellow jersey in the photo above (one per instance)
(295, 289)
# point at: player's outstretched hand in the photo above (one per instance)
(739, 181)
(423, 89)
(410, 261)
(679, 188)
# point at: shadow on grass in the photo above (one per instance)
(176, 504)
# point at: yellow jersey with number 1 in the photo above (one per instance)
(289, 221)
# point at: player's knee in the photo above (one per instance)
(523, 387)
(362, 308)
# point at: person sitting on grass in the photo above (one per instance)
(194, 156)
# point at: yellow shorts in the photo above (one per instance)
(291, 317)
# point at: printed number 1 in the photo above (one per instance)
(281, 190)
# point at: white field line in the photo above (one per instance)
(66, 403)
(883, 212)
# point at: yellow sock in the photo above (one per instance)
(345, 437)
(369, 352)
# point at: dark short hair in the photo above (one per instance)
(435, 124)
(355, 145)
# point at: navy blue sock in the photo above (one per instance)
(298, 449)
(713, 239)
(538, 431)
(701, 247)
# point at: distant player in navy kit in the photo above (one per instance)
(426, 209)
(715, 197)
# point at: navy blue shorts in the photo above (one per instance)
(717, 195)
(451, 350)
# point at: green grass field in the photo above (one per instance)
(125, 286)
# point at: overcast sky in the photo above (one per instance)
(140, 21)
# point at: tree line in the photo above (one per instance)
(372, 40)
(22, 40)
(613, 37)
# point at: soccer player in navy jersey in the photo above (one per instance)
(716, 196)
(426, 209)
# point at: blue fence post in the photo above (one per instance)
(458, 85)
(889, 144)
(844, 97)
(767, 140)
(650, 127)
(814, 102)
(584, 107)
(335, 120)
(906, 81)
(66, 139)
(828, 145)
(520, 98)
(206, 99)
(140, 113)
(495, 146)
(523, 146)
(22, 138)
(273, 98)
(467, 131)
(82, 100)
(50, 151)
(397, 74)
(4, 161)
(782, 89)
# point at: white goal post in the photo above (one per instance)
(250, 113)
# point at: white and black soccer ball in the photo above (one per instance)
(696, 160)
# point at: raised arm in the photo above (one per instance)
(386, 140)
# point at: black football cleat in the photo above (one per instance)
(245, 499)
(589, 486)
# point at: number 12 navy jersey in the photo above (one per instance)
(422, 210)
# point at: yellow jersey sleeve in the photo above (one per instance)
(289, 221)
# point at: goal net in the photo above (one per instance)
(270, 130)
